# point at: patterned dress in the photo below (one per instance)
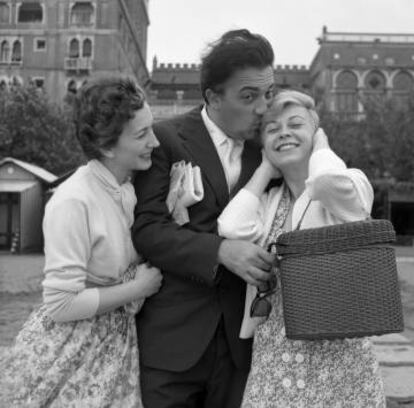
(91, 363)
(308, 374)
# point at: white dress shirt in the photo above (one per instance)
(229, 150)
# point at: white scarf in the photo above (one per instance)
(123, 194)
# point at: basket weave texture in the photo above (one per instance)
(340, 281)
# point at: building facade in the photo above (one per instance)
(175, 88)
(57, 44)
(347, 70)
(350, 69)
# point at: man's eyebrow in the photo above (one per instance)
(255, 88)
(249, 88)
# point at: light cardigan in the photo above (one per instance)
(338, 195)
(87, 241)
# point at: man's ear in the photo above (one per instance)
(214, 99)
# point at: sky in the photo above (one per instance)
(180, 30)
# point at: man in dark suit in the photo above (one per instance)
(190, 350)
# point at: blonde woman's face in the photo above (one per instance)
(288, 139)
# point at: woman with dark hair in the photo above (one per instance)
(80, 347)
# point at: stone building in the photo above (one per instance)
(175, 87)
(350, 68)
(347, 69)
(57, 44)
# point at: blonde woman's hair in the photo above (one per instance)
(287, 98)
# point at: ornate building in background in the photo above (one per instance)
(57, 44)
(348, 69)
(175, 88)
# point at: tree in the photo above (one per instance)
(381, 143)
(34, 130)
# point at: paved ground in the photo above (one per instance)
(20, 293)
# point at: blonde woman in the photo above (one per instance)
(318, 186)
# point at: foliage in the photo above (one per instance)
(381, 143)
(35, 131)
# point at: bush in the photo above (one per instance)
(35, 131)
(381, 143)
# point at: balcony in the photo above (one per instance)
(80, 64)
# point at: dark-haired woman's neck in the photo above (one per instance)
(121, 174)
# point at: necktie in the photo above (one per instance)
(233, 150)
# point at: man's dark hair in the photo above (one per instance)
(235, 50)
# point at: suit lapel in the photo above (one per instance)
(198, 143)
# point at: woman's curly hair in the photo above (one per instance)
(102, 108)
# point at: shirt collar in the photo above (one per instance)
(216, 134)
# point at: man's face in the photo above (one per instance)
(238, 109)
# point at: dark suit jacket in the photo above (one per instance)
(176, 325)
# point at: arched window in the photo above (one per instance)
(403, 85)
(4, 12)
(347, 80)
(403, 81)
(82, 14)
(17, 51)
(346, 92)
(87, 48)
(30, 12)
(74, 48)
(5, 51)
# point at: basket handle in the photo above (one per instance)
(303, 215)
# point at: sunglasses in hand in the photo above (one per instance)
(261, 307)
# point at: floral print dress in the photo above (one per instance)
(308, 374)
(91, 363)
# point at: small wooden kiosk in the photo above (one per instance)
(22, 199)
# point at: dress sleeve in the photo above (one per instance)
(344, 192)
(68, 248)
(243, 217)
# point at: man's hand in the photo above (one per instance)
(249, 261)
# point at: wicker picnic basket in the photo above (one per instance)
(340, 281)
